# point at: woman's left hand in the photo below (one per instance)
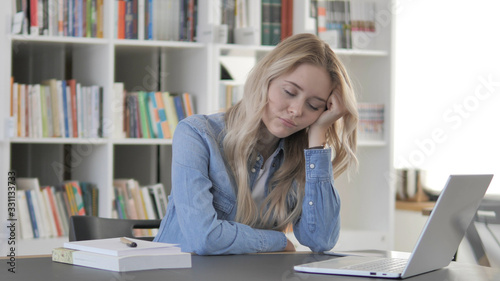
(335, 109)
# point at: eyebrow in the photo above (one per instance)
(300, 88)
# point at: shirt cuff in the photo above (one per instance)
(272, 241)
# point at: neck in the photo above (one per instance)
(267, 142)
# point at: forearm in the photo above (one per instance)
(319, 224)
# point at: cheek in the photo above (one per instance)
(311, 118)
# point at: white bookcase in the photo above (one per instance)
(194, 67)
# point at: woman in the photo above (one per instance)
(240, 178)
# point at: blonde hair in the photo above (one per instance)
(244, 119)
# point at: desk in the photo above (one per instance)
(221, 268)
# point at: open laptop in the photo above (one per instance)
(438, 242)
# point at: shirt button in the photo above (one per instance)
(311, 166)
(258, 158)
(311, 203)
(253, 170)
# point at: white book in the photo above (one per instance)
(141, 19)
(48, 108)
(24, 215)
(114, 247)
(117, 110)
(79, 110)
(69, 114)
(48, 213)
(151, 214)
(29, 118)
(160, 198)
(33, 185)
(37, 111)
(15, 88)
(22, 110)
(122, 264)
(41, 222)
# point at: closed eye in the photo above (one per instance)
(289, 93)
(313, 107)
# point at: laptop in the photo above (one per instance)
(437, 244)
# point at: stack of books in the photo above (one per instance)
(57, 108)
(230, 92)
(148, 114)
(76, 18)
(122, 254)
(44, 211)
(133, 201)
(174, 20)
(371, 121)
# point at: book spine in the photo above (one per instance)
(179, 107)
(31, 209)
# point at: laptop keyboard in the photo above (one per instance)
(381, 265)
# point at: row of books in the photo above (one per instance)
(44, 211)
(371, 121)
(346, 23)
(149, 114)
(230, 92)
(173, 20)
(410, 185)
(76, 18)
(277, 21)
(57, 108)
(113, 254)
(133, 201)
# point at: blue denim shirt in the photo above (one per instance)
(202, 205)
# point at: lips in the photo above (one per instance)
(288, 123)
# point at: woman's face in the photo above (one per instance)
(296, 100)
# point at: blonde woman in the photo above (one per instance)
(240, 178)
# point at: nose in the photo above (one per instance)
(295, 108)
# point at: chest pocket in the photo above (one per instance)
(223, 204)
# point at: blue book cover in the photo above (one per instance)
(29, 199)
(150, 20)
(65, 109)
(179, 107)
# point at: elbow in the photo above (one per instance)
(204, 247)
(211, 244)
(325, 245)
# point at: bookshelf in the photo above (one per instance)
(175, 66)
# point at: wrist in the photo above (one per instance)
(316, 137)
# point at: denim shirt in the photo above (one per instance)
(202, 205)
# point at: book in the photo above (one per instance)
(114, 247)
(40, 224)
(157, 193)
(124, 263)
(24, 215)
(172, 119)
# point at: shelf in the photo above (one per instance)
(414, 206)
(156, 43)
(370, 143)
(235, 48)
(132, 141)
(353, 52)
(58, 39)
(60, 140)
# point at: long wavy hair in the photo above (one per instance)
(244, 119)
